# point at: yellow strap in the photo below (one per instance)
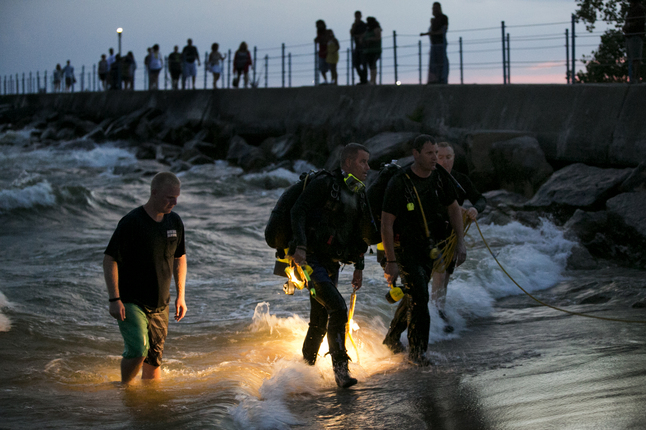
(428, 233)
(348, 332)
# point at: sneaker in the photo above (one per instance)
(448, 328)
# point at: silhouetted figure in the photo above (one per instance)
(438, 66)
(155, 65)
(634, 32)
(214, 63)
(372, 47)
(321, 39)
(175, 66)
(68, 74)
(189, 56)
(241, 64)
(115, 71)
(103, 71)
(358, 62)
(56, 78)
(129, 66)
(332, 56)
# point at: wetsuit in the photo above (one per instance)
(326, 219)
(412, 250)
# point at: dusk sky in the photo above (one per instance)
(35, 35)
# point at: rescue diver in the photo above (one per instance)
(326, 225)
(413, 207)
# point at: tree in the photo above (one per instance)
(608, 63)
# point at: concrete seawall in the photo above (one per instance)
(602, 125)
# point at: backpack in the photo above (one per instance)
(278, 232)
(375, 194)
(377, 190)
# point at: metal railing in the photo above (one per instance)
(400, 63)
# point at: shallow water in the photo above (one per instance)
(234, 361)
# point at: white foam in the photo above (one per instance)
(40, 194)
(51, 158)
(5, 322)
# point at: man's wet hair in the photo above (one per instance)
(350, 152)
(163, 179)
(445, 145)
(420, 140)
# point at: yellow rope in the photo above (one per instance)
(447, 247)
(348, 325)
(545, 304)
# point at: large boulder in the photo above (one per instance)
(481, 168)
(578, 186)
(636, 181)
(244, 155)
(282, 147)
(520, 165)
(627, 210)
(584, 226)
(387, 146)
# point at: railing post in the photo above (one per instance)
(348, 68)
(567, 55)
(419, 51)
(82, 78)
(17, 82)
(573, 68)
(44, 82)
(229, 68)
(504, 55)
(316, 66)
(508, 62)
(23, 83)
(206, 66)
(352, 58)
(380, 69)
(461, 64)
(29, 88)
(266, 69)
(395, 53)
(283, 63)
(165, 75)
(289, 58)
(254, 63)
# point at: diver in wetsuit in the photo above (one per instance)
(326, 225)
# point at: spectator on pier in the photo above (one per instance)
(68, 74)
(128, 71)
(56, 78)
(111, 58)
(358, 62)
(115, 72)
(321, 39)
(332, 55)
(154, 67)
(147, 63)
(103, 71)
(634, 32)
(372, 47)
(175, 67)
(241, 63)
(214, 63)
(189, 55)
(438, 66)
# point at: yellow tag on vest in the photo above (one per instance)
(410, 206)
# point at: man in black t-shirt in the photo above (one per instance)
(145, 251)
(190, 54)
(408, 231)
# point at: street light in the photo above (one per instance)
(119, 31)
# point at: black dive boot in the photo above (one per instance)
(341, 372)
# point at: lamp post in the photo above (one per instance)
(119, 31)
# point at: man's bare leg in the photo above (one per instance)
(151, 372)
(130, 368)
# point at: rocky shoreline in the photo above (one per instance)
(601, 208)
